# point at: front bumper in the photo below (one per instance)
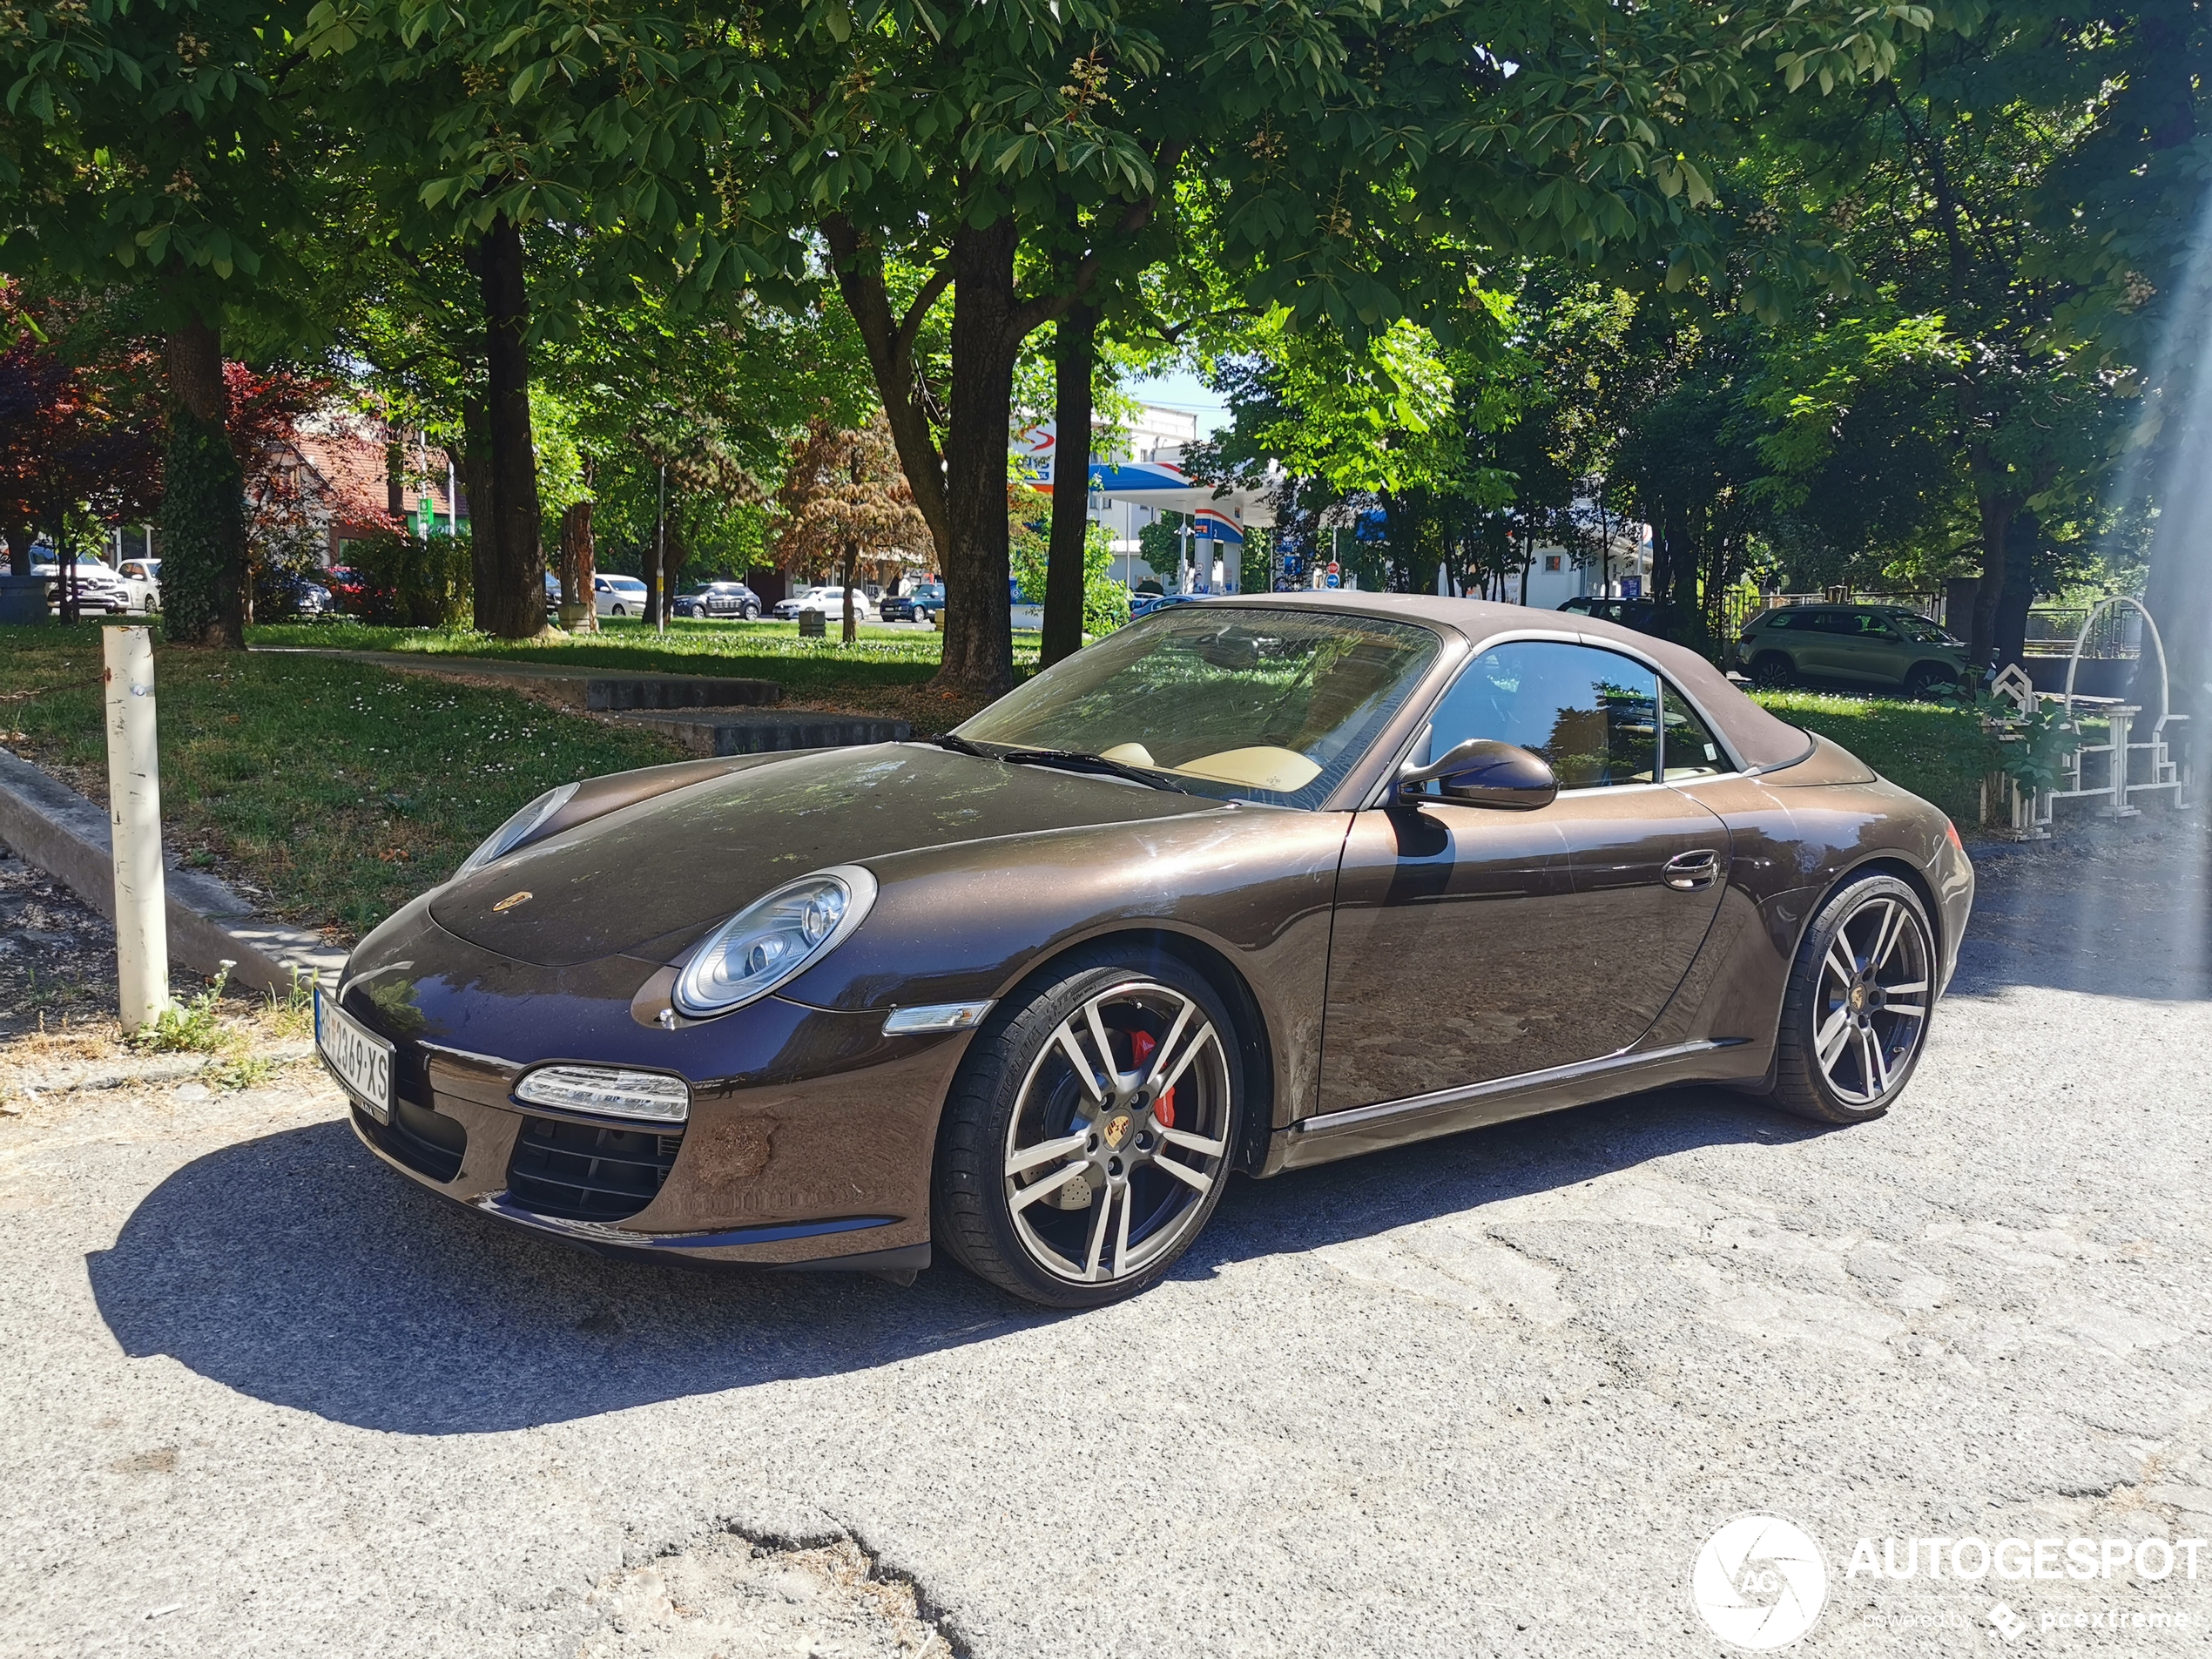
(810, 1140)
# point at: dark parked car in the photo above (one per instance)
(1244, 886)
(719, 600)
(923, 602)
(1864, 646)
(1642, 615)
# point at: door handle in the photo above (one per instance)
(1688, 872)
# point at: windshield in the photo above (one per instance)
(1246, 703)
(1921, 630)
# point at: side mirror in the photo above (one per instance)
(1484, 772)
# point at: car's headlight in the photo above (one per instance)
(517, 829)
(773, 939)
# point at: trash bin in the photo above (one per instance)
(810, 625)
(23, 598)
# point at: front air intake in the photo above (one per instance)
(585, 1172)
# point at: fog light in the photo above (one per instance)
(650, 1095)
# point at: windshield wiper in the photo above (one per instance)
(1076, 760)
(959, 746)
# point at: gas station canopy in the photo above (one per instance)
(1160, 483)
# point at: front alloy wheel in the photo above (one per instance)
(1090, 1135)
(1856, 1014)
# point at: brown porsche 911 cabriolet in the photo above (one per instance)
(1249, 885)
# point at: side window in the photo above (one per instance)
(1593, 714)
(1691, 749)
(1778, 620)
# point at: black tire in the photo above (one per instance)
(1025, 1226)
(1772, 670)
(1874, 1044)
(753, 613)
(619, 611)
(1925, 677)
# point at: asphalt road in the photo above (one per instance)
(1486, 1396)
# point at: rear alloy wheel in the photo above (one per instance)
(1856, 1014)
(1924, 680)
(753, 613)
(1090, 1135)
(1772, 671)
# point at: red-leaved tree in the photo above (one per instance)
(79, 435)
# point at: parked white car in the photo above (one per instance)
(98, 588)
(618, 596)
(830, 601)
(141, 580)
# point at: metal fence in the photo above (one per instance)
(2118, 636)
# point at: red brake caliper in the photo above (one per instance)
(1141, 1044)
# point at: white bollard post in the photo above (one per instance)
(134, 827)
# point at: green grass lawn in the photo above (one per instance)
(336, 790)
(881, 660)
(1939, 752)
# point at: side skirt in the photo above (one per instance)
(1393, 1123)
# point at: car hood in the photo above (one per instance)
(648, 879)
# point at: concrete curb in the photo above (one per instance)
(51, 825)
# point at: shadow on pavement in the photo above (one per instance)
(297, 1269)
(2106, 909)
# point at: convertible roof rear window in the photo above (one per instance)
(1241, 703)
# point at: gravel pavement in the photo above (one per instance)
(1486, 1396)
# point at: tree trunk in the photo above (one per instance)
(475, 466)
(675, 553)
(1663, 563)
(2178, 590)
(2023, 536)
(512, 604)
(890, 341)
(1997, 508)
(576, 562)
(395, 474)
(979, 625)
(1065, 553)
(203, 507)
(851, 569)
(70, 595)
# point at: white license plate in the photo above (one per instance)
(361, 1059)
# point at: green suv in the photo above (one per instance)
(1875, 645)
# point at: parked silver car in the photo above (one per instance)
(98, 588)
